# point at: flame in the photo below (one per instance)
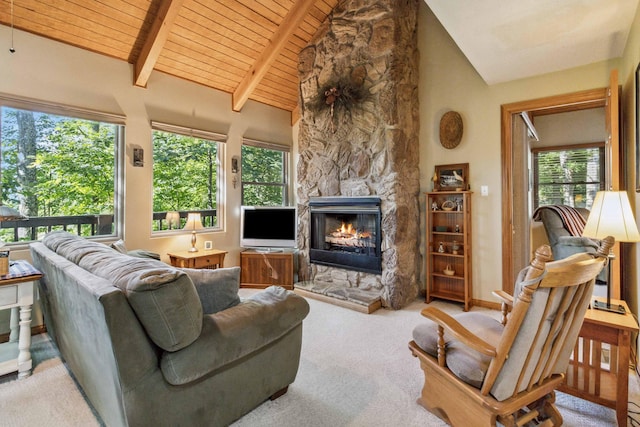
(347, 229)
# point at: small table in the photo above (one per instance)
(210, 259)
(16, 293)
(603, 380)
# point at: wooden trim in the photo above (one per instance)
(270, 53)
(592, 98)
(155, 41)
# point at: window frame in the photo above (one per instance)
(286, 154)
(601, 146)
(74, 112)
(220, 139)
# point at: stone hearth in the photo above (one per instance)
(358, 136)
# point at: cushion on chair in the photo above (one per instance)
(217, 289)
(467, 364)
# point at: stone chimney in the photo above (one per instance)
(359, 135)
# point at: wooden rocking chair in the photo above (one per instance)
(479, 371)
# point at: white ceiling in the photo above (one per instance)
(511, 39)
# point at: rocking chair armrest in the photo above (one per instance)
(460, 332)
(505, 297)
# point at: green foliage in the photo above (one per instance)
(185, 173)
(568, 177)
(73, 161)
(262, 177)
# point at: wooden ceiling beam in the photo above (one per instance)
(155, 41)
(261, 66)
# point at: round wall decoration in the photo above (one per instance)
(450, 129)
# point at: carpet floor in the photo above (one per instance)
(355, 370)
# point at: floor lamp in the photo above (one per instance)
(611, 215)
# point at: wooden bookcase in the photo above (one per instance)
(263, 269)
(448, 240)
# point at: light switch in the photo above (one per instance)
(484, 190)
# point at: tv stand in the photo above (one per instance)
(261, 269)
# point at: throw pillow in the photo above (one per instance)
(217, 289)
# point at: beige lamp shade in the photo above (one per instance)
(194, 222)
(611, 215)
(173, 219)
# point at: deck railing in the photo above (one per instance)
(34, 228)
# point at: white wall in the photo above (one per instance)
(449, 82)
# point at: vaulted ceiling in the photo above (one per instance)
(248, 48)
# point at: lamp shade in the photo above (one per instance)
(611, 215)
(173, 219)
(194, 222)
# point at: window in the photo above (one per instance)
(265, 176)
(568, 175)
(60, 170)
(186, 174)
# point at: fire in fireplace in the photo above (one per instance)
(345, 233)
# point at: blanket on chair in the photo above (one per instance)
(572, 220)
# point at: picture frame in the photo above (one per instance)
(637, 88)
(451, 177)
(208, 245)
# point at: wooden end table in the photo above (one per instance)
(210, 259)
(16, 293)
(599, 367)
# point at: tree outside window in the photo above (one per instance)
(60, 172)
(568, 175)
(264, 174)
(186, 170)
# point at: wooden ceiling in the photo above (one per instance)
(248, 48)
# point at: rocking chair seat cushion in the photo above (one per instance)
(465, 363)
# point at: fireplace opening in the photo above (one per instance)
(345, 233)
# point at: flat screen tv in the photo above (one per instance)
(268, 227)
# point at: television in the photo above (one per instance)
(268, 227)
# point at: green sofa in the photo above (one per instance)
(155, 345)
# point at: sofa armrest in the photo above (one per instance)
(235, 333)
(217, 289)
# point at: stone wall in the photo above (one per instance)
(359, 135)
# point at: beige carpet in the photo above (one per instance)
(49, 397)
(355, 370)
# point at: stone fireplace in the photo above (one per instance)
(358, 137)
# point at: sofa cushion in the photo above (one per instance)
(164, 298)
(217, 289)
(232, 334)
(465, 363)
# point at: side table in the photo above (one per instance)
(16, 293)
(603, 380)
(210, 259)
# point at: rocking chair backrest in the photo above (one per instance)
(550, 304)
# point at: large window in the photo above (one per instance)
(186, 174)
(265, 177)
(59, 170)
(568, 175)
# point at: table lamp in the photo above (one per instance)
(173, 219)
(193, 223)
(611, 215)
